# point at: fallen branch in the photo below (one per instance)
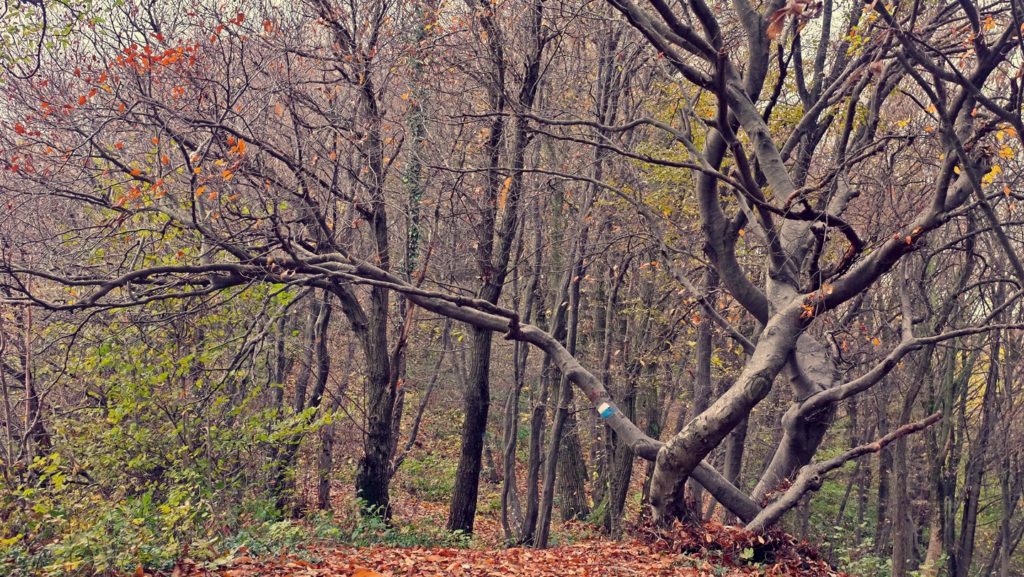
(811, 476)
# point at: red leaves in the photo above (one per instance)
(775, 23)
(19, 128)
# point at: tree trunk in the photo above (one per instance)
(476, 402)
(882, 520)
(975, 471)
(494, 246)
(373, 472)
(325, 463)
(702, 389)
(572, 469)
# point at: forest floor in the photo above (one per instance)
(711, 550)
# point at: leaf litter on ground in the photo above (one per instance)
(711, 549)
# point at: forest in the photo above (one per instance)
(511, 287)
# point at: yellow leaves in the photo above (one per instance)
(989, 24)
(876, 341)
(1006, 152)
(991, 175)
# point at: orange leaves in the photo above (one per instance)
(801, 10)
(711, 549)
(237, 145)
(268, 26)
(136, 172)
(503, 194)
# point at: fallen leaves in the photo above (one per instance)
(709, 550)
